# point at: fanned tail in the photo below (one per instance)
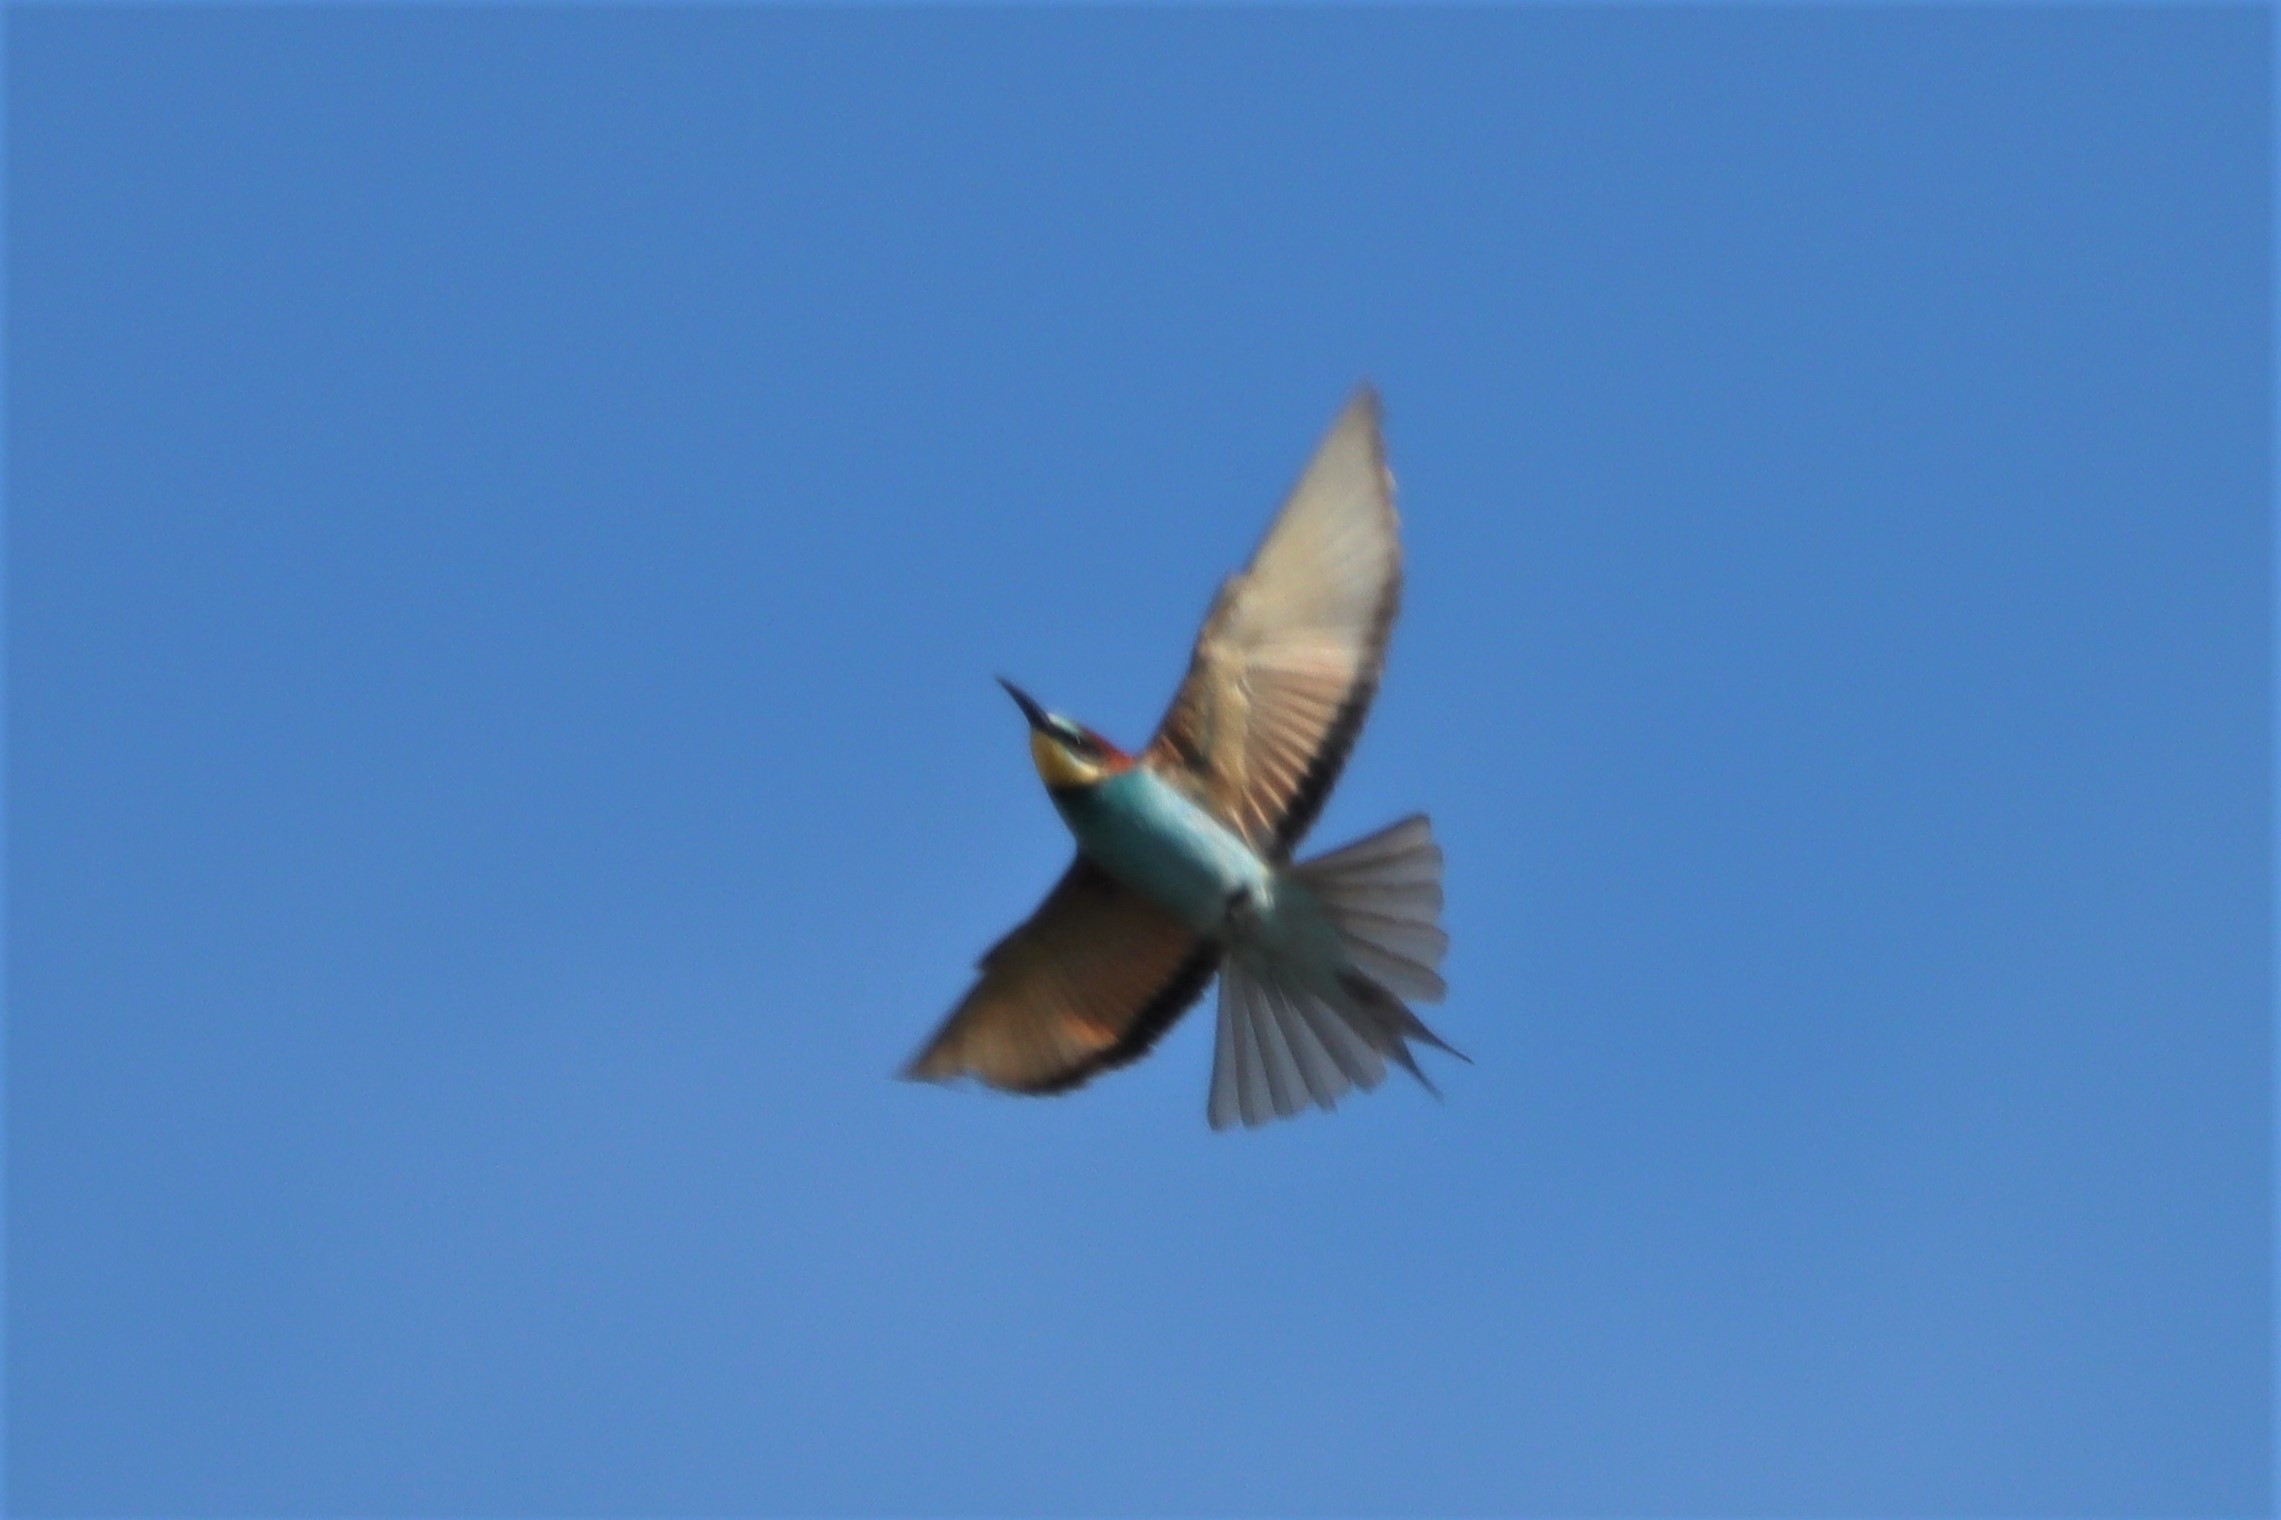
(1284, 1044)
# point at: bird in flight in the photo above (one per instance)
(1184, 867)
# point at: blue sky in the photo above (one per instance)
(512, 518)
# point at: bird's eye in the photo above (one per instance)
(1072, 737)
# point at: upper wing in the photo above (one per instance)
(1088, 982)
(1290, 653)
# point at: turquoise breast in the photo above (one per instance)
(1149, 836)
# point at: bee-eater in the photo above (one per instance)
(1184, 862)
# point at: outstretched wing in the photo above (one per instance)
(1291, 651)
(1087, 983)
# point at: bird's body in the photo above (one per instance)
(1145, 832)
(1183, 867)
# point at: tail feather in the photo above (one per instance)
(1396, 973)
(1251, 1074)
(1358, 1061)
(1286, 1091)
(1225, 1105)
(1384, 897)
(1415, 938)
(1280, 1049)
(1413, 835)
(1255, 1076)
(1390, 1014)
(1317, 1067)
(1284, 1041)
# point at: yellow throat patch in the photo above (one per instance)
(1057, 767)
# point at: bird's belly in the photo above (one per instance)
(1157, 842)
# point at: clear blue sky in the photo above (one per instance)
(513, 516)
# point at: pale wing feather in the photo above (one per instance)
(1290, 654)
(1087, 982)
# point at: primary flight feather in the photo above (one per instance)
(1184, 868)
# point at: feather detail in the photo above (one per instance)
(1089, 982)
(1290, 654)
(1287, 1040)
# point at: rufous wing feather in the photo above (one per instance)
(1088, 982)
(1290, 654)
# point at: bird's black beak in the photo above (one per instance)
(1030, 709)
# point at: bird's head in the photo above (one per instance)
(1068, 754)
